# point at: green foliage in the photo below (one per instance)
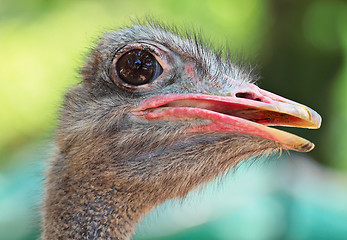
(302, 47)
(44, 43)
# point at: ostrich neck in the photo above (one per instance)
(74, 209)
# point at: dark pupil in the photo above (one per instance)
(136, 67)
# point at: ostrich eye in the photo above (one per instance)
(137, 67)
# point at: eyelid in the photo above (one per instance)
(129, 47)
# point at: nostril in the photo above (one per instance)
(244, 95)
(247, 95)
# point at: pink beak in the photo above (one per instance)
(249, 111)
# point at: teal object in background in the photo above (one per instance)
(290, 197)
(21, 192)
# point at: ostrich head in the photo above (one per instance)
(155, 116)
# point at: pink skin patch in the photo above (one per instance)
(236, 114)
(189, 68)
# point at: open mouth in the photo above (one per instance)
(241, 113)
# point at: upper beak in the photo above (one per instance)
(249, 111)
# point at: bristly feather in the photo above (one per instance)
(201, 48)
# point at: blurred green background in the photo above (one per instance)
(300, 48)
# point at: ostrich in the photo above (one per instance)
(156, 116)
